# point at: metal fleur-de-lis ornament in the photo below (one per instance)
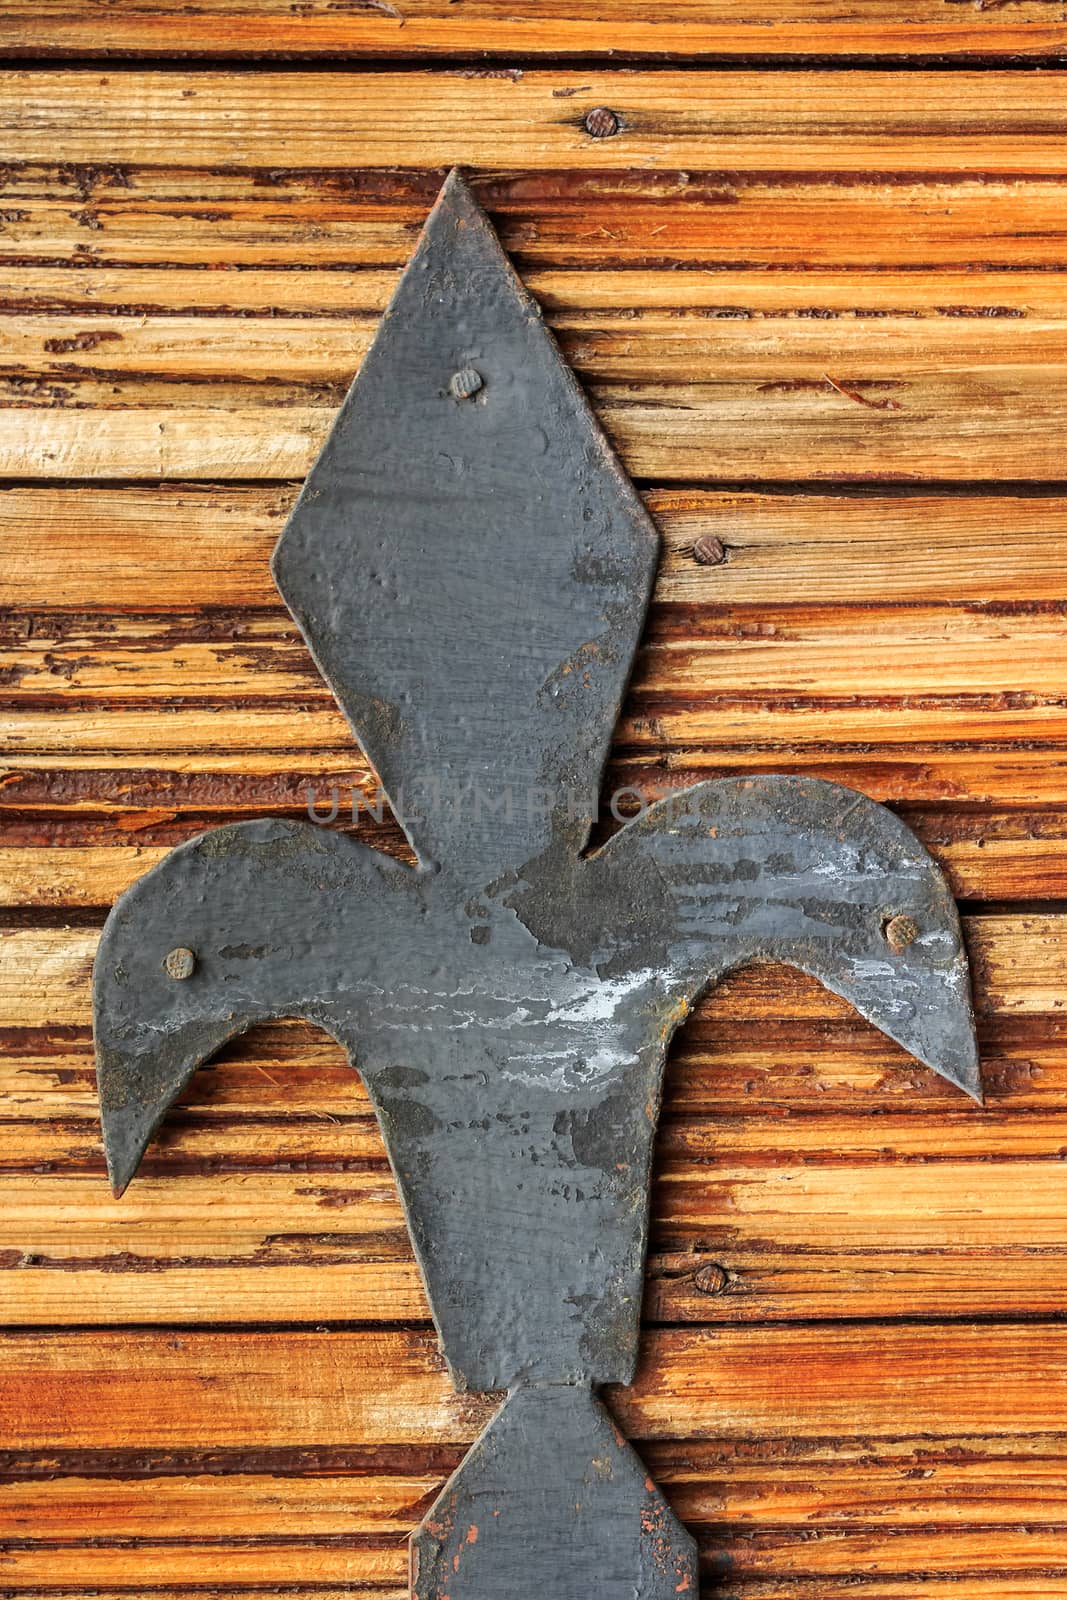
(470, 568)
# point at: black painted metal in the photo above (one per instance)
(470, 567)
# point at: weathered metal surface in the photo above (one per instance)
(552, 1502)
(471, 573)
(471, 568)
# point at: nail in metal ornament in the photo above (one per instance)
(470, 568)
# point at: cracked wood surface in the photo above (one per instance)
(820, 313)
(501, 30)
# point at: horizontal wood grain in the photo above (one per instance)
(853, 1362)
(823, 1176)
(347, 1137)
(885, 654)
(374, 1562)
(493, 30)
(763, 1280)
(1004, 123)
(201, 1390)
(1005, 422)
(213, 778)
(154, 307)
(760, 1491)
(740, 730)
(1001, 856)
(104, 217)
(173, 545)
(722, 1065)
(734, 328)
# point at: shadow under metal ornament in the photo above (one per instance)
(470, 568)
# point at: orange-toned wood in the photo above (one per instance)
(1010, 123)
(191, 1391)
(1008, 421)
(493, 29)
(163, 547)
(102, 216)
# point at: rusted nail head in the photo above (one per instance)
(710, 1278)
(180, 963)
(465, 383)
(601, 123)
(900, 931)
(709, 551)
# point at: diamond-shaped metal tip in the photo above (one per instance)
(469, 563)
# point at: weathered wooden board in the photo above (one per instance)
(748, 329)
(491, 29)
(140, 658)
(897, 1398)
(989, 855)
(949, 376)
(166, 546)
(1009, 124)
(998, 421)
(97, 216)
(132, 1389)
(779, 1194)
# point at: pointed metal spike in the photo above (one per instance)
(469, 564)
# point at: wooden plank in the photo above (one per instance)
(104, 218)
(493, 30)
(186, 545)
(889, 1489)
(356, 1560)
(215, 776)
(349, 1136)
(1003, 857)
(891, 653)
(1007, 421)
(831, 1556)
(44, 973)
(199, 1390)
(1004, 123)
(146, 303)
(763, 1281)
(740, 328)
(209, 735)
